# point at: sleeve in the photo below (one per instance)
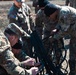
(31, 20)
(39, 24)
(67, 16)
(64, 23)
(8, 60)
(11, 64)
(13, 18)
(22, 56)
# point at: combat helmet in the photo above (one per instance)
(13, 28)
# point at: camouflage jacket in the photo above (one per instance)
(8, 60)
(21, 56)
(21, 17)
(67, 22)
(43, 24)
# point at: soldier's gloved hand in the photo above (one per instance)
(29, 62)
(33, 71)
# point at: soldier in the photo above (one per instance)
(19, 14)
(66, 25)
(44, 26)
(16, 44)
(41, 20)
(9, 62)
(35, 4)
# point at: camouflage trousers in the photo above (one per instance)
(72, 61)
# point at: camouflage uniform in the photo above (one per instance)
(13, 27)
(44, 26)
(67, 26)
(22, 17)
(39, 22)
(8, 60)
